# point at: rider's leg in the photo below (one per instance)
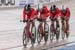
(62, 21)
(67, 25)
(67, 28)
(52, 23)
(32, 30)
(28, 29)
(57, 23)
(46, 31)
(45, 26)
(33, 23)
(28, 24)
(41, 29)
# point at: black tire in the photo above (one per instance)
(25, 38)
(46, 29)
(58, 33)
(6, 2)
(0, 2)
(33, 35)
(51, 36)
(12, 3)
(63, 33)
(38, 36)
(51, 33)
(67, 34)
(46, 37)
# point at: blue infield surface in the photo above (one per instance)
(72, 47)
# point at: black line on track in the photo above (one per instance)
(41, 49)
(58, 45)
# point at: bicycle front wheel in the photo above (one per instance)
(39, 36)
(25, 38)
(51, 34)
(33, 35)
(46, 30)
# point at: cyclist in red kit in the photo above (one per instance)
(29, 15)
(54, 15)
(65, 16)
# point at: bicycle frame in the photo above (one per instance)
(30, 26)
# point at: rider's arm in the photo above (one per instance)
(24, 15)
(47, 13)
(32, 15)
(68, 13)
(61, 14)
(57, 13)
(36, 14)
(51, 15)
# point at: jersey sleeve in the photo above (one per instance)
(47, 13)
(50, 14)
(57, 12)
(32, 13)
(68, 13)
(61, 14)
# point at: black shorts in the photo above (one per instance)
(53, 19)
(41, 20)
(28, 20)
(25, 20)
(62, 19)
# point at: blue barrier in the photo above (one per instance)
(72, 47)
(23, 3)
